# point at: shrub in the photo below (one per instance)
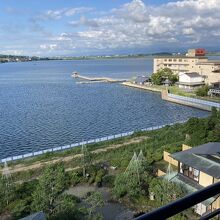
(108, 181)
(202, 91)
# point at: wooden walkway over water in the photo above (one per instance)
(98, 79)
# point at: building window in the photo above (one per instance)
(165, 59)
(174, 60)
(170, 60)
(190, 172)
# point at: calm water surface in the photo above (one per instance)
(41, 106)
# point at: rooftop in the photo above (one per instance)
(205, 158)
(191, 186)
(209, 62)
(192, 74)
(180, 56)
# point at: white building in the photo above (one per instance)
(190, 80)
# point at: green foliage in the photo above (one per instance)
(67, 209)
(99, 176)
(162, 74)
(51, 185)
(7, 191)
(203, 130)
(120, 188)
(74, 178)
(133, 181)
(108, 181)
(94, 201)
(20, 208)
(165, 191)
(202, 91)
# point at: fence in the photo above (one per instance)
(196, 101)
(97, 140)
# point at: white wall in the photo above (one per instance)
(185, 78)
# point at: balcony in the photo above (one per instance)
(184, 203)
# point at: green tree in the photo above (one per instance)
(51, 185)
(133, 181)
(94, 201)
(67, 209)
(165, 191)
(162, 74)
(120, 188)
(202, 91)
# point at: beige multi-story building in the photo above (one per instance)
(188, 63)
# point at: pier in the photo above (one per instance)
(98, 79)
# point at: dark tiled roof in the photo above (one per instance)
(142, 79)
(35, 216)
(203, 158)
(193, 74)
(192, 186)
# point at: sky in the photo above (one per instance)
(104, 27)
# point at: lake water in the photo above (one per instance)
(42, 106)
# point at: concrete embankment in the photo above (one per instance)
(166, 96)
(149, 88)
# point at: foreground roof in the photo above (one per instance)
(205, 158)
(192, 186)
(35, 216)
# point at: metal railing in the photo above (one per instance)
(92, 141)
(194, 100)
(184, 203)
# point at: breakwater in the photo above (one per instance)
(92, 141)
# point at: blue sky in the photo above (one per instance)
(87, 27)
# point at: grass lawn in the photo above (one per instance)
(176, 90)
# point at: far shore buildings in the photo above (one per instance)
(193, 62)
(196, 168)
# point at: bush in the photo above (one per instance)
(74, 178)
(99, 176)
(108, 181)
(203, 91)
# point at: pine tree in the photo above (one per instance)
(51, 185)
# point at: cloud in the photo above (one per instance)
(64, 12)
(48, 46)
(134, 25)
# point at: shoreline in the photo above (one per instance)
(165, 96)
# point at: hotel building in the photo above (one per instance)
(193, 61)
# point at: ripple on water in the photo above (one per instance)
(41, 106)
